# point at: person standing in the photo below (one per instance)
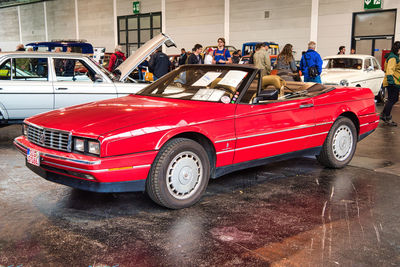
(221, 55)
(286, 65)
(342, 50)
(353, 51)
(262, 60)
(182, 57)
(116, 59)
(208, 58)
(311, 64)
(391, 82)
(285, 59)
(235, 57)
(159, 64)
(195, 57)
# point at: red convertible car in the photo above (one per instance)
(197, 122)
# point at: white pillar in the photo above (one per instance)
(45, 21)
(19, 24)
(314, 21)
(226, 22)
(115, 24)
(76, 20)
(163, 21)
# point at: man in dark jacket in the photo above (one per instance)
(195, 57)
(311, 58)
(159, 64)
(182, 57)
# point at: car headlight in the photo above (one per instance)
(344, 83)
(85, 145)
(25, 129)
(94, 147)
(79, 145)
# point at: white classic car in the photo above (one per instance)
(353, 70)
(36, 82)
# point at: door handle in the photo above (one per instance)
(306, 105)
(62, 88)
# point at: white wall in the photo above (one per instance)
(289, 22)
(190, 22)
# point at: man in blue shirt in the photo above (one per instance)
(221, 55)
(311, 59)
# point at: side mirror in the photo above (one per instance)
(98, 78)
(370, 68)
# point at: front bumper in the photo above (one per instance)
(125, 173)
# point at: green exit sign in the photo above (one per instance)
(136, 7)
(372, 4)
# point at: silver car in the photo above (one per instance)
(36, 82)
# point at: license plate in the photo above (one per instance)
(33, 157)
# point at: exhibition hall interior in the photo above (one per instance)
(187, 133)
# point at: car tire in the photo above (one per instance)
(383, 95)
(179, 174)
(340, 144)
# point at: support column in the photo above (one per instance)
(314, 21)
(19, 24)
(115, 24)
(226, 21)
(76, 20)
(45, 21)
(163, 21)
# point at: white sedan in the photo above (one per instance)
(36, 82)
(353, 70)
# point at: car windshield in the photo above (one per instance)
(104, 70)
(343, 63)
(201, 83)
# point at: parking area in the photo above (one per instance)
(291, 213)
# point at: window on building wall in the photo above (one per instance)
(135, 30)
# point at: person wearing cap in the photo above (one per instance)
(116, 59)
(208, 58)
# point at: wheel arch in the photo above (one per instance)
(204, 141)
(3, 112)
(353, 117)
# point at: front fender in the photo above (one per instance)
(174, 132)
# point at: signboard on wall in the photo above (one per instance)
(372, 4)
(136, 7)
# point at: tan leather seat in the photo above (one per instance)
(273, 82)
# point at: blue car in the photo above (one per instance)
(78, 46)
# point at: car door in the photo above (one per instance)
(377, 77)
(76, 82)
(25, 88)
(273, 128)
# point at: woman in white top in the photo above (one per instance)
(208, 58)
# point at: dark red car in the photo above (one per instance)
(197, 122)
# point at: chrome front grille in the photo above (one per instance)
(50, 138)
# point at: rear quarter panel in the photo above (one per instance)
(357, 101)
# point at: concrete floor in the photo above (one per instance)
(291, 213)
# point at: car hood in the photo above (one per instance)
(335, 76)
(142, 53)
(102, 117)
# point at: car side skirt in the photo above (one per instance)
(114, 187)
(220, 171)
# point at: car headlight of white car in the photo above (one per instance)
(344, 83)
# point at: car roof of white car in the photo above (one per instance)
(359, 56)
(41, 54)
